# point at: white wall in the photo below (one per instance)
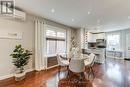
(123, 34)
(28, 42)
(123, 41)
(7, 45)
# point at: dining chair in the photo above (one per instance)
(89, 62)
(77, 66)
(62, 62)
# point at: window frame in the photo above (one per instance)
(56, 29)
(112, 34)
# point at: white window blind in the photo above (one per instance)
(50, 33)
(56, 41)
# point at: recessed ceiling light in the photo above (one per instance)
(89, 12)
(72, 20)
(52, 10)
(128, 17)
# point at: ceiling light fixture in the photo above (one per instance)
(52, 10)
(128, 17)
(89, 12)
(72, 20)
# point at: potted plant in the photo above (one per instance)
(20, 58)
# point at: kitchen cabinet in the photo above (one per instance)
(92, 37)
(100, 36)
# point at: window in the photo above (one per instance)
(51, 47)
(50, 33)
(113, 42)
(60, 34)
(61, 47)
(56, 41)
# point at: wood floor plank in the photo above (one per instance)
(113, 73)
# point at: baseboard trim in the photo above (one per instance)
(43, 68)
(52, 67)
(6, 76)
(12, 75)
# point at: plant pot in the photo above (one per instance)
(19, 76)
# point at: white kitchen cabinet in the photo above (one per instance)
(100, 36)
(92, 37)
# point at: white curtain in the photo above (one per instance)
(40, 46)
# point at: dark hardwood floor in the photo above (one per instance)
(113, 73)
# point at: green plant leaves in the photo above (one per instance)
(20, 56)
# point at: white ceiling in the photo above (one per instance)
(104, 14)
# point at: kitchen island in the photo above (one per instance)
(99, 52)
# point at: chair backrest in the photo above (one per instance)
(85, 56)
(92, 59)
(60, 59)
(64, 55)
(77, 65)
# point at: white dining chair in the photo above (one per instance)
(77, 66)
(62, 62)
(89, 62)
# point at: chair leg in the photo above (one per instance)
(59, 70)
(67, 71)
(91, 71)
(86, 71)
(68, 74)
(82, 76)
(85, 68)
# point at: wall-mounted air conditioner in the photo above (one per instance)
(16, 15)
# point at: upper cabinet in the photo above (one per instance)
(92, 36)
(84, 37)
(100, 36)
